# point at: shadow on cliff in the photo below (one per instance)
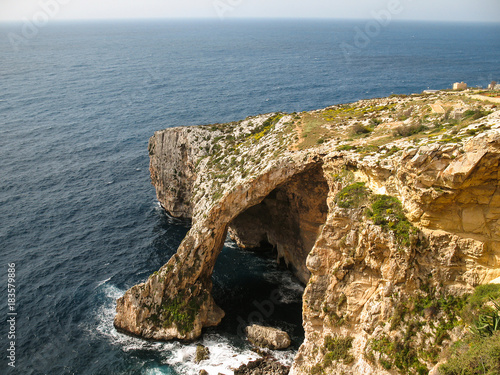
(252, 288)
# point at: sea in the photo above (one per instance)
(79, 219)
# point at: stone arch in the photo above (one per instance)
(296, 192)
(289, 218)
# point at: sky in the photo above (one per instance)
(430, 10)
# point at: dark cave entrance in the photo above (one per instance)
(261, 272)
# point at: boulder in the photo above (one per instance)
(267, 337)
(202, 353)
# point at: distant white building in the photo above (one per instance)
(493, 86)
(459, 86)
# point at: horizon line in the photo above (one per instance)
(240, 18)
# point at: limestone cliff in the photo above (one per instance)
(375, 205)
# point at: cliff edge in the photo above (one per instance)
(377, 206)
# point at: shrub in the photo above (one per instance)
(352, 196)
(479, 351)
(399, 352)
(407, 130)
(488, 322)
(358, 129)
(261, 131)
(475, 114)
(481, 295)
(387, 212)
(346, 148)
(180, 312)
(337, 348)
(477, 355)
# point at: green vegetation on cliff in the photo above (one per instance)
(352, 196)
(384, 210)
(479, 351)
(179, 311)
(473, 356)
(427, 319)
(335, 349)
(388, 212)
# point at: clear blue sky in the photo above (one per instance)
(446, 10)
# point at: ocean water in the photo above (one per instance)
(79, 218)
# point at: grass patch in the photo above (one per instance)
(368, 149)
(266, 127)
(346, 148)
(391, 151)
(313, 131)
(474, 114)
(387, 212)
(180, 312)
(408, 130)
(352, 196)
(337, 349)
(359, 129)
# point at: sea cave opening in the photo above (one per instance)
(261, 272)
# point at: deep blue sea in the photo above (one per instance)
(78, 216)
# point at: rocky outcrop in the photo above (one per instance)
(267, 365)
(202, 353)
(382, 207)
(268, 337)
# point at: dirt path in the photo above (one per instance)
(486, 98)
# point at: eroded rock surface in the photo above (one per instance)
(267, 366)
(268, 337)
(377, 205)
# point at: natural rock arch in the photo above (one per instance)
(289, 219)
(176, 301)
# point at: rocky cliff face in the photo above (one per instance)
(378, 206)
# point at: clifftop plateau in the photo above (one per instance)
(377, 206)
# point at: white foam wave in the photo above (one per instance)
(230, 243)
(284, 357)
(224, 356)
(223, 359)
(154, 371)
(102, 282)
